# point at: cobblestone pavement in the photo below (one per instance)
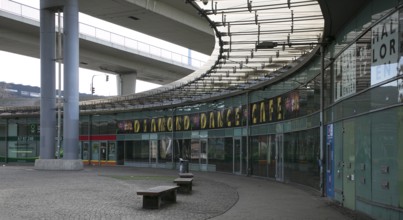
(103, 193)
(110, 193)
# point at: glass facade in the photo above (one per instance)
(274, 132)
(364, 113)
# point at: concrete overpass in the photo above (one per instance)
(115, 53)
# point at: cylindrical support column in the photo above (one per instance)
(126, 83)
(322, 126)
(48, 90)
(71, 92)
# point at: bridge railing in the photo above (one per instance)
(143, 48)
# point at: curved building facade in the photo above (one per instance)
(333, 123)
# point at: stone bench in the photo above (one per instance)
(185, 184)
(154, 197)
(186, 175)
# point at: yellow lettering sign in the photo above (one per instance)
(186, 123)
(203, 121)
(229, 122)
(170, 124)
(162, 124)
(279, 109)
(271, 109)
(237, 116)
(136, 126)
(153, 125)
(178, 123)
(145, 125)
(254, 118)
(212, 121)
(262, 112)
(220, 120)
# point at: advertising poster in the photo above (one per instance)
(400, 81)
(292, 105)
(125, 127)
(363, 63)
(330, 161)
(345, 73)
(385, 50)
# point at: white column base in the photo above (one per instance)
(58, 164)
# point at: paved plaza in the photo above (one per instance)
(110, 193)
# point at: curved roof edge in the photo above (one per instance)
(136, 102)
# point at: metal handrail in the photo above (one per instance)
(32, 13)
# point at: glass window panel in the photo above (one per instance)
(3, 155)
(195, 151)
(165, 150)
(384, 143)
(85, 150)
(3, 130)
(95, 151)
(363, 157)
(301, 154)
(141, 151)
(216, 153)
(259, 156)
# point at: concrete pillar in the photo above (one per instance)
(48, 87)
(71, 91)
(126, 83)
(48, 84)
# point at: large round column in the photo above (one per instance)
(71, 91)
(126, 83)
(48, 89)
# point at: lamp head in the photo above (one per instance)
(205, 2)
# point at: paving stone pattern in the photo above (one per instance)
(99, 193)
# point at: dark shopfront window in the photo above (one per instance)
(301, 154)
(220, 153)
(216, 153)
(263, 155)
(181, 149)
(137, 151)
(165, 150)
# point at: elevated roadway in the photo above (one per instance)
(114, 53)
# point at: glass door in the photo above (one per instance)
(237, 156)
(103, 152)
(85, 151)
(112, 151)
(153, 153)
(195, 154)
(94, 151)
(203, 154)
(280, 157)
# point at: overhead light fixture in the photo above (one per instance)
(266, 45)
(205, 2)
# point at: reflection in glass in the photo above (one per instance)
(103, 152)
(195, 151)
(85, 150)
(95, 151)
(203, 152)
(165, 150)
(154, 151)
(301, 154)
(112, 151)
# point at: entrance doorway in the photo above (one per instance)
(103, 152)
(237, 156)
(153, 153)
(280, 157)
(203, 155)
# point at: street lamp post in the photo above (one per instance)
(92, 89)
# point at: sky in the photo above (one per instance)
(25, 70)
